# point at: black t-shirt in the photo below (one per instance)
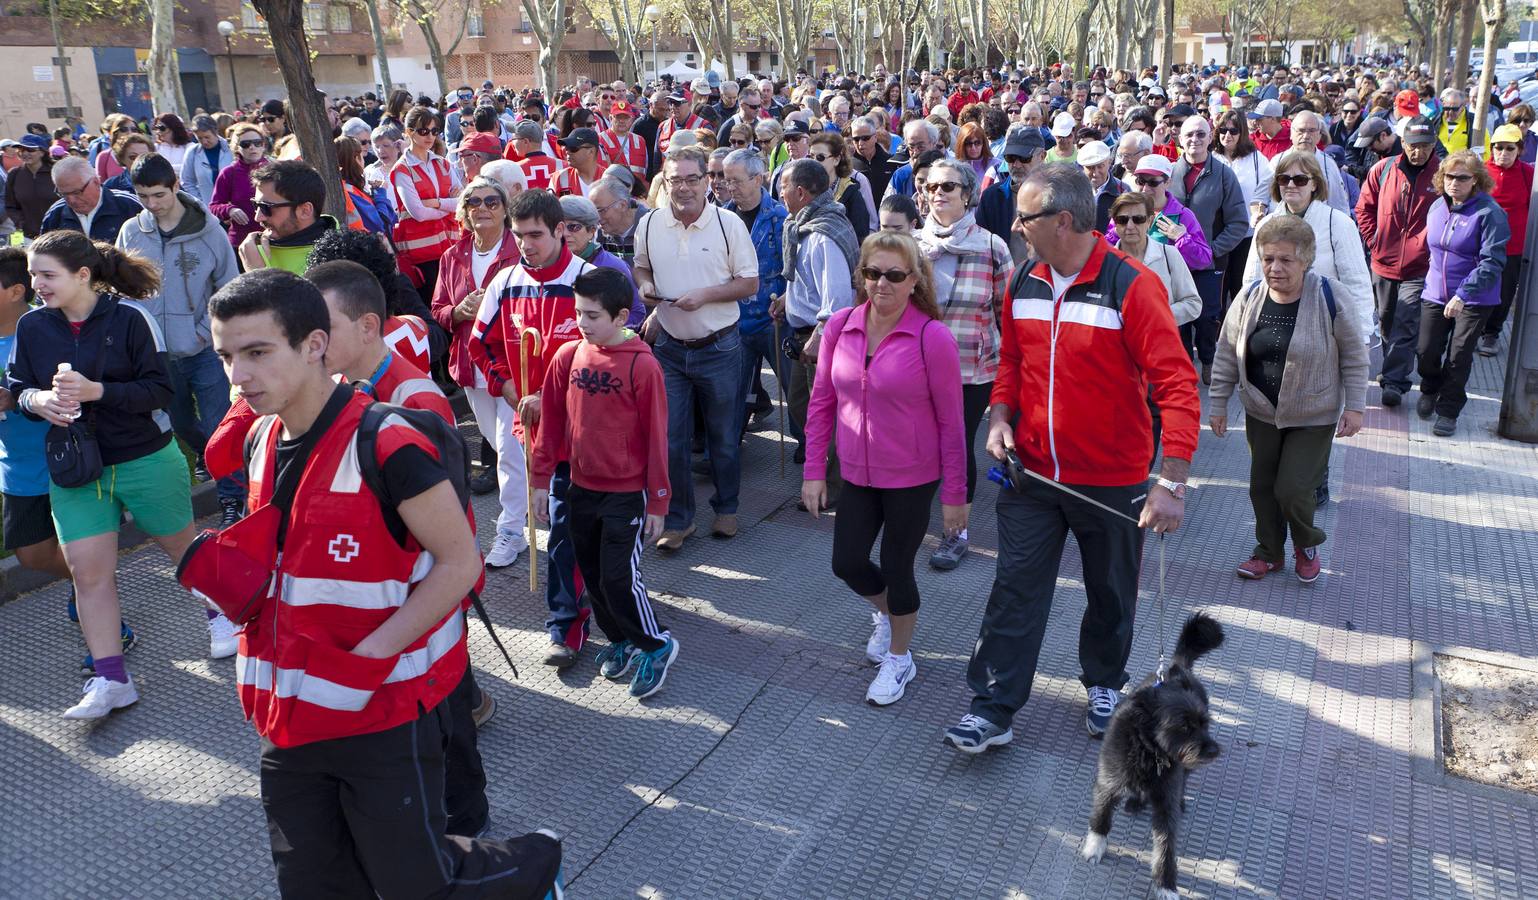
(748, 216)
(408, 472)
(1266, 352)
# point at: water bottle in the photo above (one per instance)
(66, 367)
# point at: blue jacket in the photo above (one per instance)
(198, 176)
(1468, 251)
(117, 207)
(996, 209)
(767, 234)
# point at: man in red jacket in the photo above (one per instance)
(1391, 214)
(1272, 134)
(1089, 334)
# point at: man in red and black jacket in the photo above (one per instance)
(1088, 335)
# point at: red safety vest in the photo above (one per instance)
(418, 241)
(568, 181)
(539, 169)
(407, 336)
(628, 151)
(340, 576)
(665, 131)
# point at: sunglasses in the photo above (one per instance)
(821, 157)
(427, 132)
(738, 142)
(1295, 180)
(1149, 182)
(946, 186)
(1228, 131)
(1458, 176)
(1123, 220)
(1028, 218)
(895, 276)
(1522, 123)
(492, 202)
(162, 128)
(247, 145)
(266, 207)
(1350, 109)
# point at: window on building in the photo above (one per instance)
(341, 18)
(315, 17)
(475, 21)
(249, 20)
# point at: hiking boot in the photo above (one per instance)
(652, 669)
(615, 660)
(974, 734)
(560, 656)
(1444, 426)
(1392, 396)
(1488, 344)
(231, 510)
(1426, 405)
(1102, 706)
(101, 696)
(891, 680)
(1306, 564)
(950, 553)
(1256, 568)
(880, 639)
(673, 539)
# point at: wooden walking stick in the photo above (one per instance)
(779, 381)
(526, 337)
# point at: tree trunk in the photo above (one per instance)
(379, 47)
(1466, 13)
(165, 75)
(307, 112)
(1494, 14)
(547, 18)
(1167, 53)
(1081, 44)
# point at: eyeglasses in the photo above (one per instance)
(684, 180)
(1295, 180)
(1503, 148)
(492, 202)
(1350, 109)
(795, 137)
(946, 186)
(821, 157)
(738, 142)
(162, 127)
(427, 132)
(80, 190)
(974, 143)
(269, 119)
(1028, 218)
(247, 145)
(266, 207)
(895, 276)
(1521, 123)
(575, 226)
(1457, 176)
(1146, 181)
(1123, 220)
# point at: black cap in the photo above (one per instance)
(796, 126)
(1182, 109)
(579, 138)
(1418, 130)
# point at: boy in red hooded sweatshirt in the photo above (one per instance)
(605, 412)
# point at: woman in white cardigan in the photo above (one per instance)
(1132, 211)
(1299, 190)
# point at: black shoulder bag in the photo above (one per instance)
(74, 457)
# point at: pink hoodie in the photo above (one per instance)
(899, 418)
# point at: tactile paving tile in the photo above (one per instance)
(761, 772)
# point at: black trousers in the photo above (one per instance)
(362, 816)
(1446, 354)
(1034, 523)
(1509, 277)
(464, 777)
(974, 408)
(901, 517)
(606, 539)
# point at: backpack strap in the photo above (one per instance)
(1329, 296)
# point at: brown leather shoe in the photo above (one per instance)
(484, 710)
(725, 526)
(672, 541)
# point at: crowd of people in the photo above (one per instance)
(606, 275)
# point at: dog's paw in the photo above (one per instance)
(1166, 894)
(1093, 849)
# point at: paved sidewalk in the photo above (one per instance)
(760, 772)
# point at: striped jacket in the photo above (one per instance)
(521, 298)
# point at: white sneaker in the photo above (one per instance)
(891, 680)
(880, 639)
(506, 549)
(222, 642)
(102, 696)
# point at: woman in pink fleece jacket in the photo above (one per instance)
(888, 395)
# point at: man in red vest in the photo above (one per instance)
(345, 668)
(619, 146)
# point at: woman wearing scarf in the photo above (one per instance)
(971, 270)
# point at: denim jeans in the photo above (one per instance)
(756, 349)
(201, 398)
(711, 376)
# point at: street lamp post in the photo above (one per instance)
(226, 29)
(652, 14)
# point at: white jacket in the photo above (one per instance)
(1255, 176)
(1338, 256)
(1167, 263)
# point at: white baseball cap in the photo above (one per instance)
(1094, 153)
(1154, 164)
(1063, 124)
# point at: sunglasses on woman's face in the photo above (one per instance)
(821, 157)
(1146, 181)
(895, 276)
(946, 186)
(738, 142)
(247, 145)
(1521, 123)
(1458, 176)
(492, 202)
(427, 132)
(269, 119)
(1121, 221)
(1295, 180)
(1228, 131)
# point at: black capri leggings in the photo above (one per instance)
(901, 516)
(974, 407)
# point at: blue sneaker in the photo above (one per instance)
(616, 659)
(1102, 706)
(652, 669)
(129, 639)
(69, 607)
(974, 734)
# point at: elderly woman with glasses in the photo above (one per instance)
(1300, 367)
(1513, 180)
(580, 226)
(232, 201)
(1466, 233)
(971, 273)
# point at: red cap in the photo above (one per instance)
(621, 108)
(1407, 103)
(480, 142)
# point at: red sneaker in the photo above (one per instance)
(1256, 568)
(1307, 565)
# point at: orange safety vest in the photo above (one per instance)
(418, 241)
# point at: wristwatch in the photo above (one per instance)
(1178, 488)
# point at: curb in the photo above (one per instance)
(16, 579)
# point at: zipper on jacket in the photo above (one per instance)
(1057, 305)
(1447, 242)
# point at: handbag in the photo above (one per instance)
(74, 456)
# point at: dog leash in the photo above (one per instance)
(1000, 476)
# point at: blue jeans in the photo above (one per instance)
(711, 375)
(560, 561)
(201, 398)
(757, 348)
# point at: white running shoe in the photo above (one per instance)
(880, 639)
(102, 696)
(222, 642)
(891, 680)
(506, 549)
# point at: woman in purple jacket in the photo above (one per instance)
(1466, 232)
(233, 191)
(889, 384)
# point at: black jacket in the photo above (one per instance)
(1114, 187)
(996, 209)
(130, 418)
(876, 170)
(116, 208)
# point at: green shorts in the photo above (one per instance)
(155, 488)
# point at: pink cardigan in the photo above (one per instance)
(898, 419)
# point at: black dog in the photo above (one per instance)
(1157, 735)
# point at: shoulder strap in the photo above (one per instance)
(287, 480)
(1329, 296)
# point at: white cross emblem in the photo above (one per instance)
(343, 548)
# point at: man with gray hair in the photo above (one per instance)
(1307, 129)
(1089, 335)
(821, 251)
(1133, 146)
(84, 205)
(867, 155)
(764, 216)
(618, 214)
(919, 137)
(1452, 122)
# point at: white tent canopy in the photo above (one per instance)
(682, 71)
